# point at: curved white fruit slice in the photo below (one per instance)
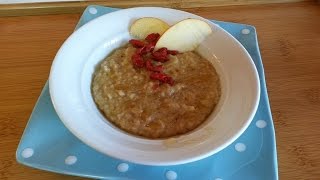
(184, 36)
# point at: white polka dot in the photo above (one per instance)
(245, 31)
(27, 152)
(240, 147)
(123, 167)
(171, 175)
(70, 160)
(261, 124)
(93, 10)
(218, 179)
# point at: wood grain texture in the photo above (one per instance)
(79, 6)
(289, 39)
(150, 1)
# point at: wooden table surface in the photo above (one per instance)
(289, 39)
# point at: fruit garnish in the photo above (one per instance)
(146, 57)
(185, 35)
(143, 27)
(136, 43)
(157, 41)
(161, 55)
(137, 60)
(164, 78)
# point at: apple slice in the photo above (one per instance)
(142, 27)
(185, 35)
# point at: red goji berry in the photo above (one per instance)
(153, 43)
(154, 37)
(141, 51)
(163, 51)
(160, 55)
(160, 58)
(136, 43)
(137, 60)
(164, 78)
(149, 47)
(172, 52)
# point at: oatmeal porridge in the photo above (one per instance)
(134, 101)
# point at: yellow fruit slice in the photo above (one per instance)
(147, 25)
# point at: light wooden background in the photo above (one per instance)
(19, 9)
(289, 38)
(130, 2)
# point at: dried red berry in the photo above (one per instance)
(172, 52)
(153, 43)
(137, 60)
(141, 51)
(160, 55)
(149, 47)
(162, 51)
(160, 58)
(136, 43)
(164, 78)
(151, 67)
(153, 37)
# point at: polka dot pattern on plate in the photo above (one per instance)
(171, 175)
(240, 147)
(245, 31)
(70, 160)
(261, 124)
(123, 167)
(27, 152)
(93, 10)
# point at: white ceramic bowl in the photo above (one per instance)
(70, 80)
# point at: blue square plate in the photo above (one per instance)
(46, 143)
